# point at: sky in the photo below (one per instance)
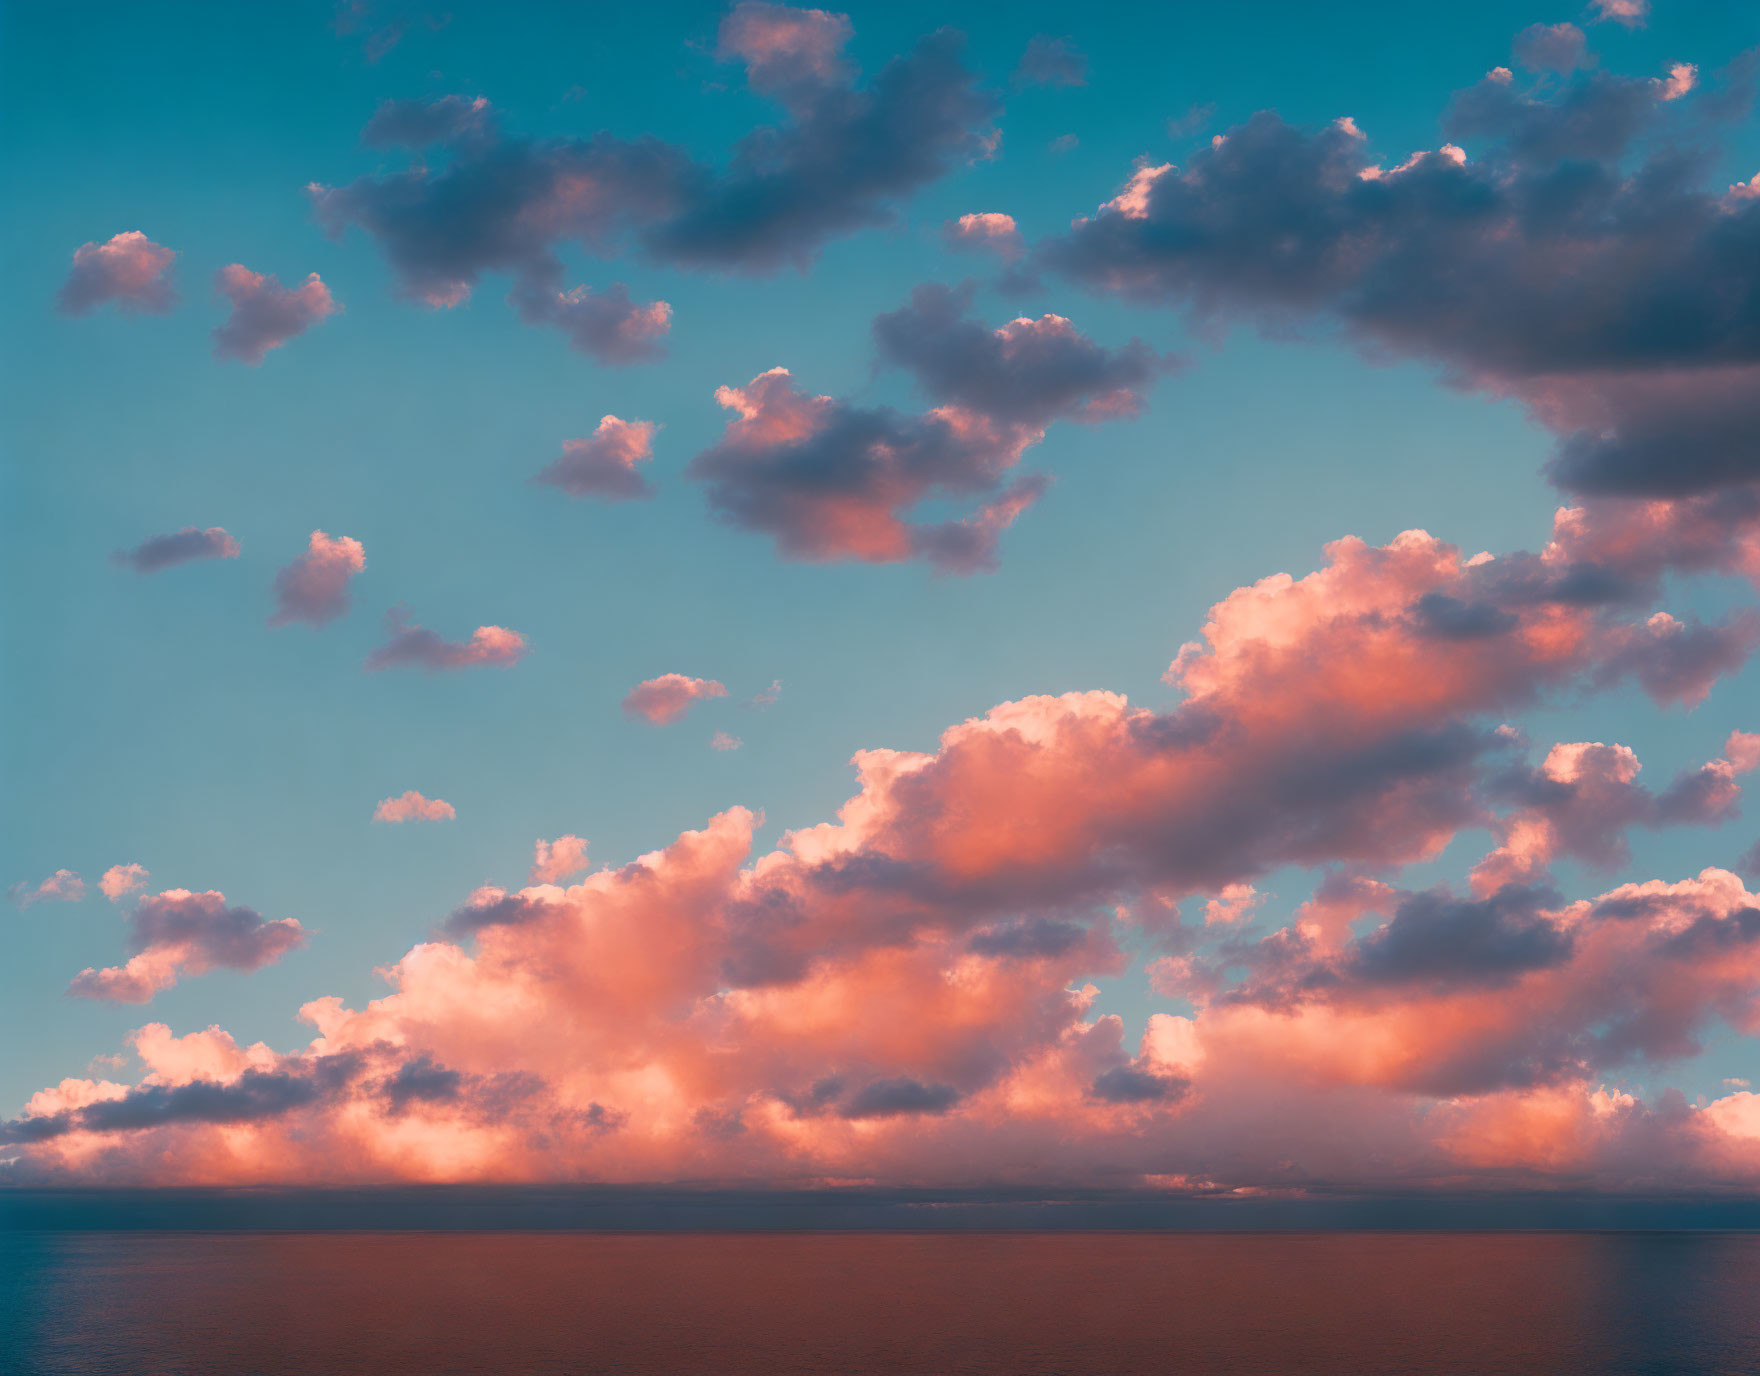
(924, 596)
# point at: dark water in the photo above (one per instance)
(205, 1304)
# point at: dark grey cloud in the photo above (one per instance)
(1574, 256)
(1133, 1084)
(895, 1097)
(181, 547)
(842, 157)
(1442, 941)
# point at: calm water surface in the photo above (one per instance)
(1562, 1304)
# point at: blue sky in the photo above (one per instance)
(159, 720)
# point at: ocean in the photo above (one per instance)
(422, 1303)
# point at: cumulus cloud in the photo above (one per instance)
(178, 933)
(121, 880)
(606, 325)
(64, 886)
(1532, 269)
(265, 315)
(1630, 14)
(721, 740)
(966, 896)
(988, 230)
(411, 806)
(666, 699)
(604, 464)
(558, 859)
(830, 480)
(1051, 62)
(843, 156)
(1558, 48)
(413, 646)
(314, 587)
(128, 268)
(182, 547)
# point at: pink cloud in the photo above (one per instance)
(314, 587)
(411, 806)
(554, 861)
(786, 49)
(186, 545)
(178, 933)
(829, 480)
(121, 880)
(418, 647)
(906, 993)
(1629, 13)
(606, 325)
(265, 315)
(129, 269)
(64, 886)
(987, 230)
(721, 740)
(666, 699)
(604, 464)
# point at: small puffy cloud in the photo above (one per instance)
(411, 806)
(1630, 13)
(1051, 62)
(988, 230)
(554, 861)
(413, 646)
(265, 314)
(1235, 903)
(604, 464)
(1560, 48)
(1064, 143)
(64, 886)
(1682, 77)
(604, 325)
(769, 697)
(129, 269)
(121, 880)
(721, 740)
(785, 49)
(178, 933)
(314, 587)
(666, 699)
(182, 547)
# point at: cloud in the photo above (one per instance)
(411, 806)
(265, 315)
(413, 646)
(121, 880)
(178, 933)
(128, 268)
(558, 859)
(183, 547)
(314, 587)
(829, 480)
(990, 231)
(1558, 48)
(1051, 62)
(604, 464)
(64, 886)
(722, 741)
(1533, 269)
(843, 157)
(606, 325)
(1630, 14)
(666, 699)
